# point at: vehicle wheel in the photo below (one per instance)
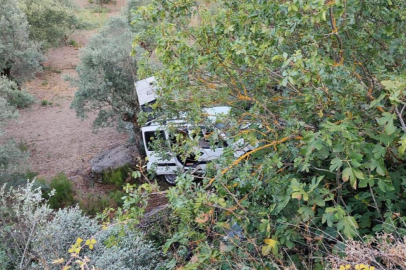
(170, 178)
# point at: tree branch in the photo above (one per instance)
(402, 122)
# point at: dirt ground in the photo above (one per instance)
(57, 140)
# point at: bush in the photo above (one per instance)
(101, 2)
(116, 177)
(93, 204)
(51, 21)
(13, 160)
(54, 238)
(32, 236)
(14, 96)
(63, 192)
(22, 213)
(13, 163)
(123, 248)
(19, 57)
(116, 196)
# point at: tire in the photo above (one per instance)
(170, 178)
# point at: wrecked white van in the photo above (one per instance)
(169, 164)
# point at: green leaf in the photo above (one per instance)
(271, 245)
(336, 163)
(389, 85)
(379, 151)
(347, 174)
(358, 174)
(387, 121)
(348, 226)
(351, 174)
(365, 182)
(402, 146)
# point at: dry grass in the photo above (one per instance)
(385, 252)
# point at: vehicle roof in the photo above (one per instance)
(146, 90)
(214, 112)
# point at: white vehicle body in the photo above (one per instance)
(171, 164)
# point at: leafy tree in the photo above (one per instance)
(51, 21)
(142, 29)
(319, 87)
(106, 76)
(19, 56)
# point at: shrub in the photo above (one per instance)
(51, 21)
(32, 236)
(54, 238)
(14, 96)
(116, 196)
(116, 177)
(63, 192)
(13, 163)
(93, 204)
(123, 248)
(19, 57)
(101, 2)
(13, 160)
(22, 213)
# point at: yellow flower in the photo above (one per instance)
(72, 249)
(79, 241)
(91, 242)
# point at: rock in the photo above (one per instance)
(114, 158)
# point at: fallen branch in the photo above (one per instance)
(237, 161)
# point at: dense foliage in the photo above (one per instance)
(318, 87)
(51, 21)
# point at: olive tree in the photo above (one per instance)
(107, 74)
(19, 56)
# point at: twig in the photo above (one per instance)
(232, 195)
(402, 122)
(26, 244)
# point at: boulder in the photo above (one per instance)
(114, 158)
